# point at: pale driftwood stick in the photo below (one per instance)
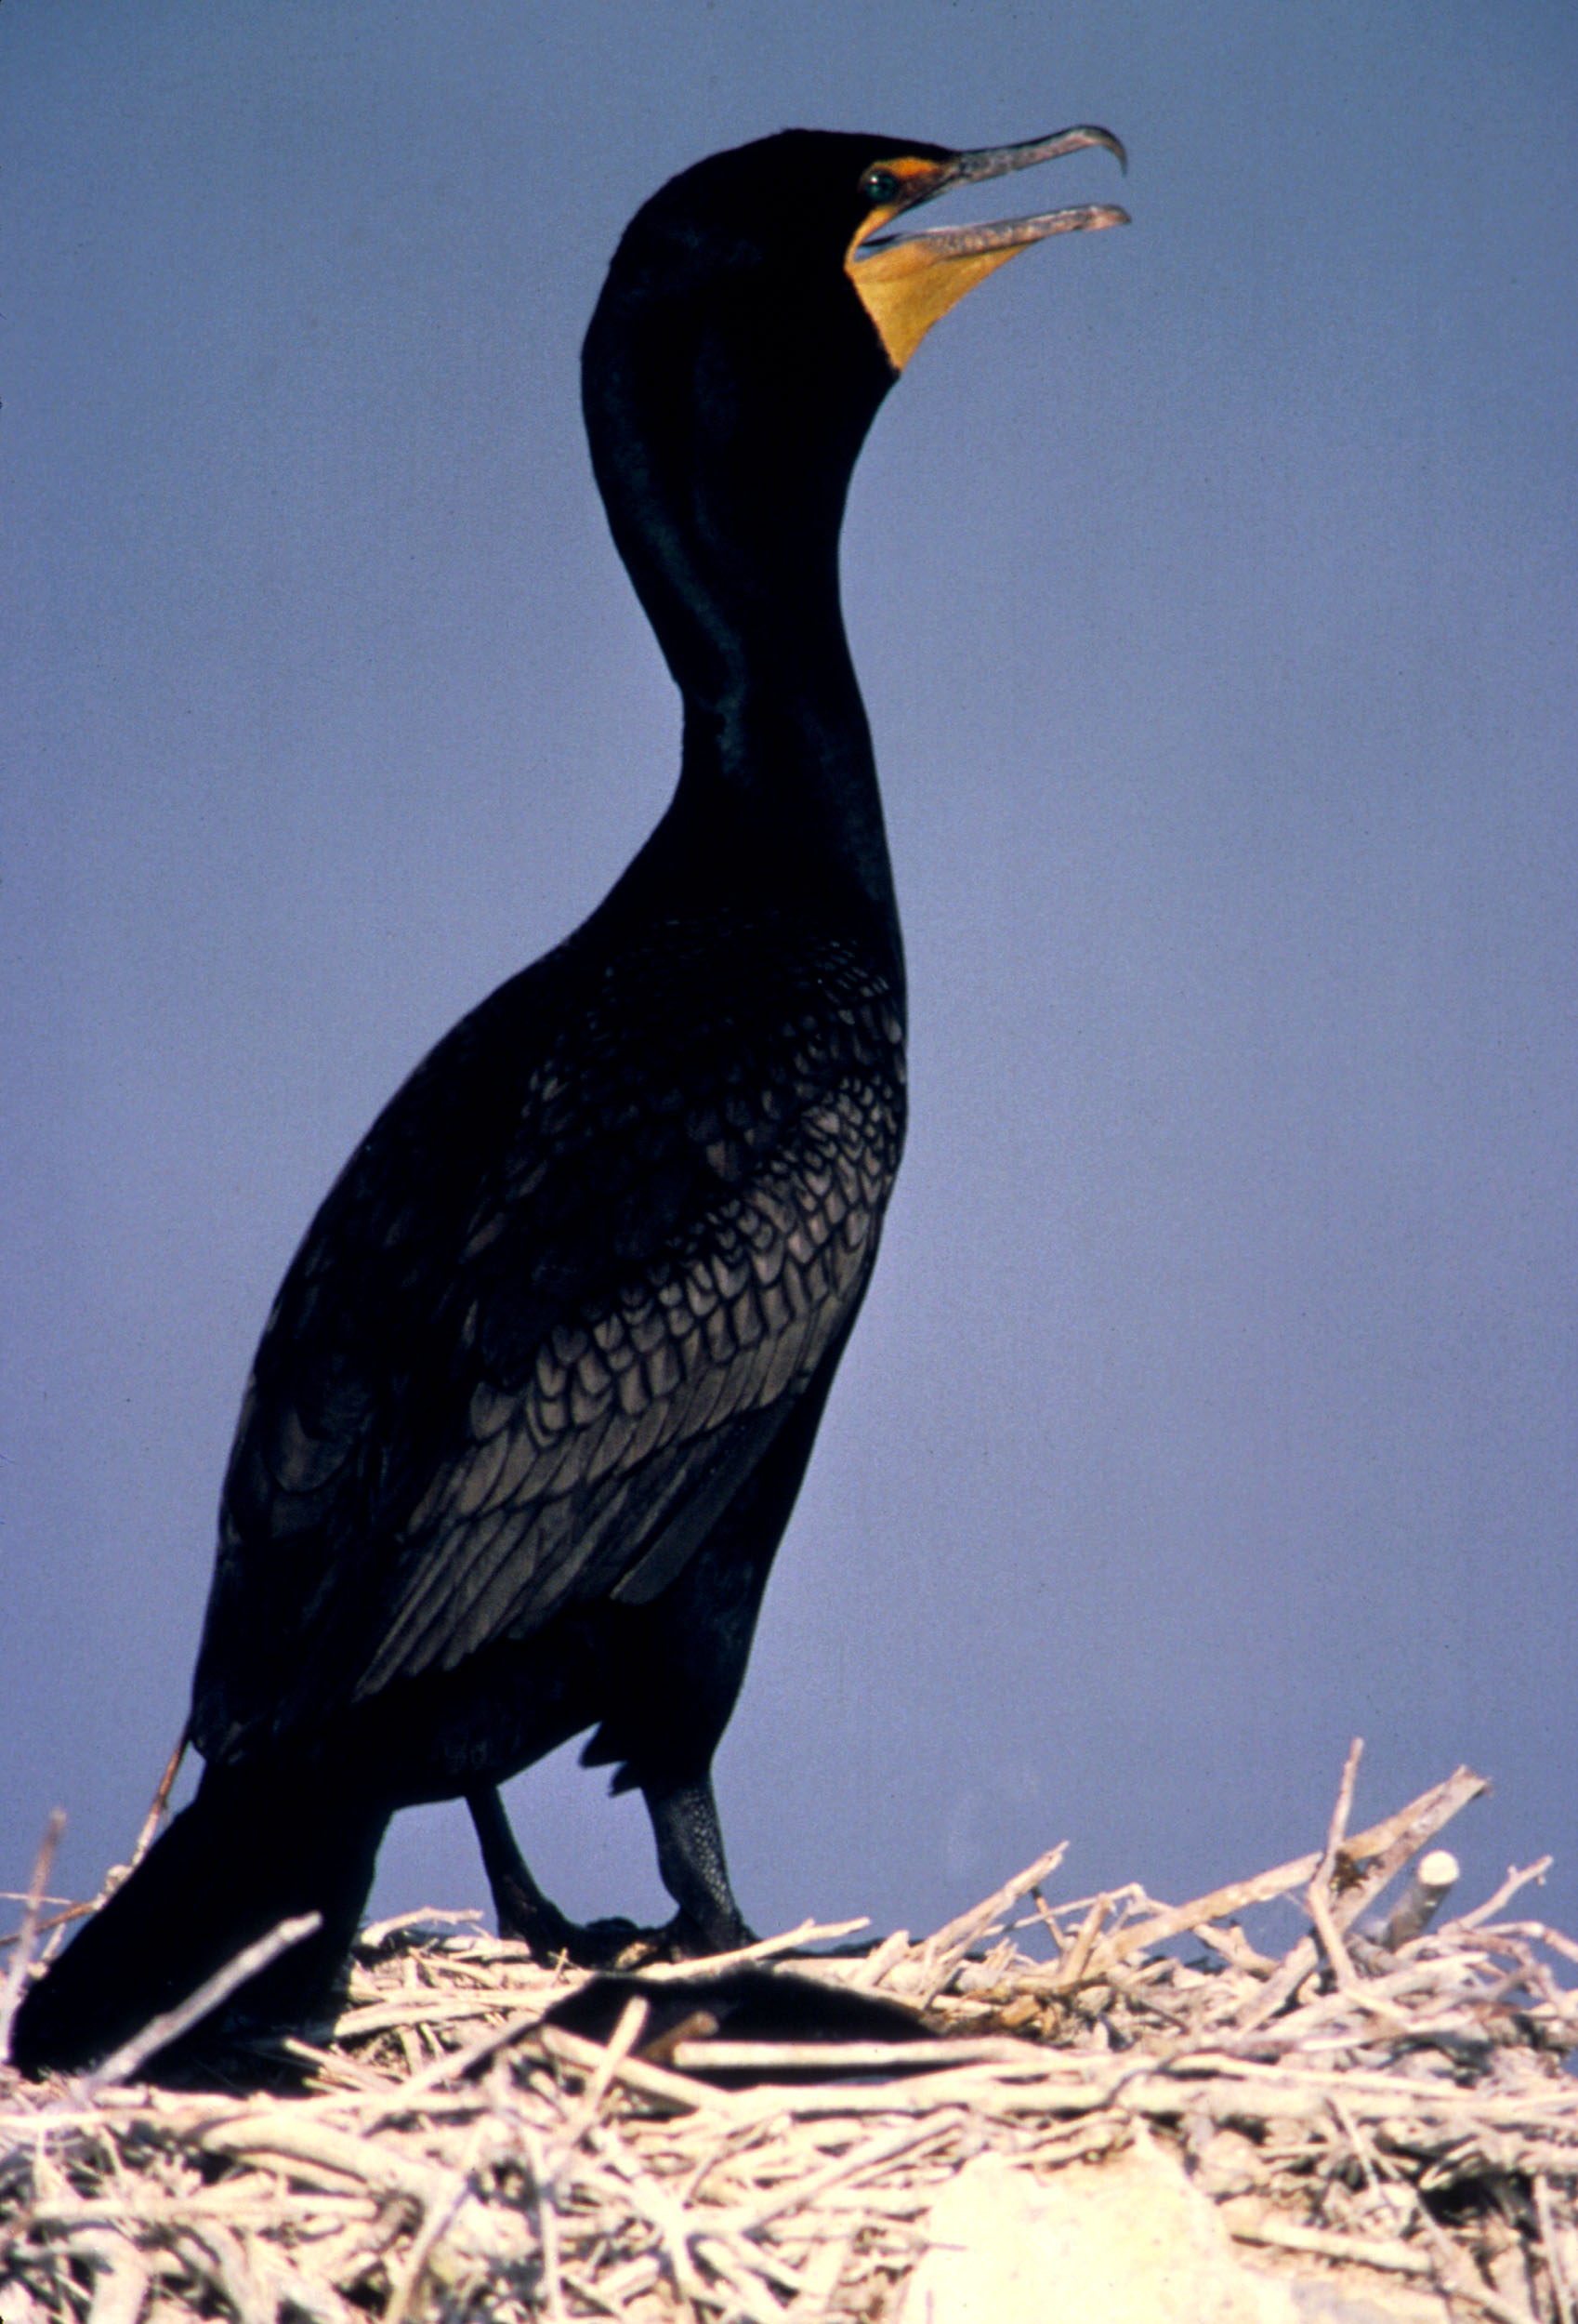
(120, 2205)
(546, 2209)
(1317, 1897)
(123, 2277)
(439, 2218)
(54, 1920)
(1536, 1931)
(351, 2076)
(653, 2082)
(763, 1949)
(1560, 2288)
(1515, 1880)
(1342, 1807)
(873, 2155)
(1068, 1971)
(1381, 1865)
(855, 2057)
(632, 2019)
(422, 2008)
(11, 1992)
(1424, 1817)
(160, 1803)
(955, 1937)
(281, 2138)
(649, 2202)
(747, 2295)
(881, 1959)
(764, 2263)
(121, 2064)
(1319, 1909)
(1435, 1876)
(1234, 1947)
(964, 2087)
(1248, 2083)
(1285, 2235)
(376, 1931)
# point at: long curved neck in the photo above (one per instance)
(723, 450)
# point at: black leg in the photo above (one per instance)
(689, 1851)
(529, 1917)
(689, 1848)
(523, 1912)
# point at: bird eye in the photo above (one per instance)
(879, 185)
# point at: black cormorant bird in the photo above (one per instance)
(536, 1396)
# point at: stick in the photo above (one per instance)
(1318, 1896)
(1553, 2267)
(653, 2082)
(763, 1949)
(831, 2059)
(11, 1993)
(955, 1937)
(1076, 1961)
(1414, 1823)
(439, 2218)
(1509, 1889)
(1435, 1876)
(161, 1800)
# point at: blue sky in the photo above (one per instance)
(1212, 585)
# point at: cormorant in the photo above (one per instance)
(532, 1408)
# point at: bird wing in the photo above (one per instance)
(551, 1316)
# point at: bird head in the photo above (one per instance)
(757, 309)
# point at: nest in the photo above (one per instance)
(1394, 2106)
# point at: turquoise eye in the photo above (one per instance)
(879, 185)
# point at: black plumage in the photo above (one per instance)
(532, 1408)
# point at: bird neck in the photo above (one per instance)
(777, 765)
(723, 448)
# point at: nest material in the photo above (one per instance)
(1399, 2105)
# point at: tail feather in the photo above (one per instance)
(256, 1846)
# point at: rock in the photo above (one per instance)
(1128, 2240)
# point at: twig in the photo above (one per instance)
(1515, 1880)
(11, 1992)
(1075, 1961)
(761, 1948)
(835, 2058)
(1416, 1823)
(956, 1936)
(1435, 1876)
(161, 1800)
(655, 2081)
(1286, 2235)
(1560, 2288)
(545, 2205)
(871, 2156)
(1319, 1894)
(439, 2218)
(425, 1916)
(623, 2040)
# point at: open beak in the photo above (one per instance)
(907, 281)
